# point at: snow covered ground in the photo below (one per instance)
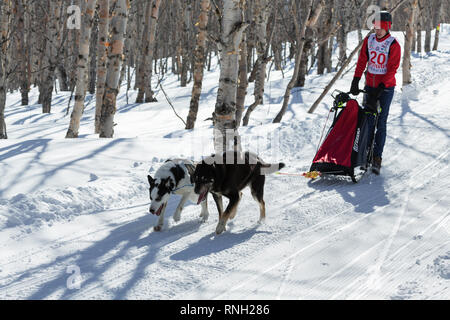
(75, 210)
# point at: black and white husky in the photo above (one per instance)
(173, 177)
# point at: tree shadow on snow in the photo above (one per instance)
(406, 97)
(211, 244)
(40, 146)
(98, 259)
(16, 150)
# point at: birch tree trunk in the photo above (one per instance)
(343, 14)
(199, 62)
(416, 44)
(148, 43)
(224, 116)
(93, 49)
(436, 21)
(82, 68)
(5, 32)
(102, 58)
(261, 12)
(185, 60)
(309, 35)
(408, 43)
(308, 22)
(21, 48)
(140, 25)
(118, 30)
(428, 27)
(151, 48)
(322, 55)
(51, 52)
(243, 82)
(145, 43)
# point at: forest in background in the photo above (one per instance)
(96, 45)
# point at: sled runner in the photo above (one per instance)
(346, 149)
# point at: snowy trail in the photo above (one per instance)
(359, 255)
(84, 203)
(318, 242)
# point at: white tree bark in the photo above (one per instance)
(199, 62)
(437, 20)
(224, 116)
(53, 41)
(243, 82)
(144, 73)
(261, 18)
(149, 56)
(428, 21)
(5, 15)
(82, 66)
(115, 52)
(408, 43)
(102, 58)
(308, 22)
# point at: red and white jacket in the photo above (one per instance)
(382, 58)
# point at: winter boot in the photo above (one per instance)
(376, 165)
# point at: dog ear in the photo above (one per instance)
(151, 180)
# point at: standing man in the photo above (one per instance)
(381, 54)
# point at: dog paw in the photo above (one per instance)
(177, 216)
(220, 228)
(204, 217)
(157, 228)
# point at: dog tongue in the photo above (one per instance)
(202, 197)
(159, 210)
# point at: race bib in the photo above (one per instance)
(378, 54)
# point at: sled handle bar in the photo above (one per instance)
(360, 91)
(348, 93)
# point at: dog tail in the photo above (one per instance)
(267, 168)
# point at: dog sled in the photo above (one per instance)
(346, 149)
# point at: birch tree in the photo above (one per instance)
(428, 20)
(261, 11)
(224, 116)
(52, 47)
(243, 81)
(199, 62)
(82, 67)
(21, 49)
(436, 21)
(324, 50)
(102, 57)
(148, 42)
(185, 41)
(309, 20)
(406, 68)
(115, 52)
(5, 33)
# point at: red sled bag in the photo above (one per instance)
(346, 146)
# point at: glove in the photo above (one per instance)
(354, 90)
